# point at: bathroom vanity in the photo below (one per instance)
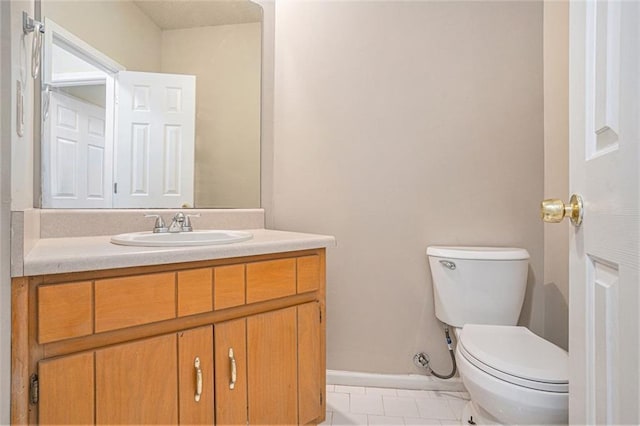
(219, 334)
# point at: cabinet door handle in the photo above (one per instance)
(196, 364)
(234, 371)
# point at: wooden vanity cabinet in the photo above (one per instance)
(259, 362)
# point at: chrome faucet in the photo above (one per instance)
(177, 223)
(180, 223)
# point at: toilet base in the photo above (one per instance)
(472, 414)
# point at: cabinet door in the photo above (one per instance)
(66, 390)
(196, 377)
(231, 356)
(310, 363)
(273, 367)
(137, 383)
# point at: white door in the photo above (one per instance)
(155, 140)
(77, 160)
(604, 295)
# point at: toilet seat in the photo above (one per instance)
(504, 403)
(516, 355)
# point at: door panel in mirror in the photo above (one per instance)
(78, 159)
(155, 140)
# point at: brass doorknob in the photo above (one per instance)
(554, 210)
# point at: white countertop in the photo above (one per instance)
(61, 255)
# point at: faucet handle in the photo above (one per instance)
(159, 226)
(187, 222)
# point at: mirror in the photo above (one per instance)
(151, 104)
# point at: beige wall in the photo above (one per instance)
(400, 125)
(133, 39)
(556, 168)
(226, 62)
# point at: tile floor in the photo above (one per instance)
(352, 405)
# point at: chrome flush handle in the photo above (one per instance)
(448, 264)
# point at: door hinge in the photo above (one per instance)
(320, 312)
(34, 389)
(115, 187)
(320, 398)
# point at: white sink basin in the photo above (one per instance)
(178, 239)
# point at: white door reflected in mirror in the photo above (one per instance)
(155, 136)
(78, 158)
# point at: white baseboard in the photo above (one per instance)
(398, 381)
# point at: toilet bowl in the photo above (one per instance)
(513, 376)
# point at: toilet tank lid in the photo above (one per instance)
(478, 253)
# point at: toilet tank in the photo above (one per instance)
(478, 285)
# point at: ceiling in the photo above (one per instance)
(177, 14)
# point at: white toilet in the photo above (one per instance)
(513, 376)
